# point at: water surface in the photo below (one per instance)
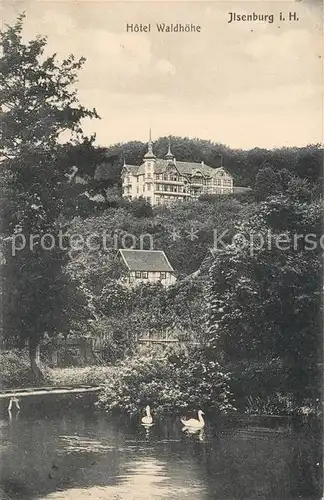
(81, 453)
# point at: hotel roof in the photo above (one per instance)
(183, 167)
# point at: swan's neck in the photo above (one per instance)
(200, 418)
(148, 412)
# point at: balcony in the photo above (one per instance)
(170, 193)
(197, 184)
(163, 181)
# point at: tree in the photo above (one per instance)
(186, 301)
(264, 299)
(38, 103)
(267, 183)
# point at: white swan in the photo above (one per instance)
(193, 423)
(148, 419)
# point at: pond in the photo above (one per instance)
(81, 453)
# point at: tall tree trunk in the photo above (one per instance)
(34, 361)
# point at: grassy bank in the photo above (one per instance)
(90, 375)
(15, 373)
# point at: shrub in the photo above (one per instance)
(273, 404)
(281, 404)
(15, 369)
(170, 383)
(257, 378)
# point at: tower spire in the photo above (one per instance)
(150, 153)
(169, 155)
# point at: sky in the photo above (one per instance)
(243, 84)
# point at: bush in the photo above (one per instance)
(282, 404)
(257, 378)
(15, 369)
(262, 387)
(273, 404)
(170, 383)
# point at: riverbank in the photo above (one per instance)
(169, 385)
(15, 373)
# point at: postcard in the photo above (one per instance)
(161, 249)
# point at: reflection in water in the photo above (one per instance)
(147, 428)
(200, 433)
(81, 455)
(79, 444)
(16, 415)
(143, 480)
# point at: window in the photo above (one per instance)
(137, 274)
(149, 175)
(144, 275)
(137, 178)
(163, 276)
(149, 187)
(137, 189)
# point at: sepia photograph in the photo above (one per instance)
(161, 250)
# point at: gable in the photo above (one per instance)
(170, 167)
(220, 172)
(129, 170)
(197, 173)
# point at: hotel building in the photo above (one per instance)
(167, 180)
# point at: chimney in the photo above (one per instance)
(202, 163)
(218, 162)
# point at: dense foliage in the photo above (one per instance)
(38, 104)
(15, 371)
(178, 382)
(265, 300)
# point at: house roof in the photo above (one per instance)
(146, 260)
